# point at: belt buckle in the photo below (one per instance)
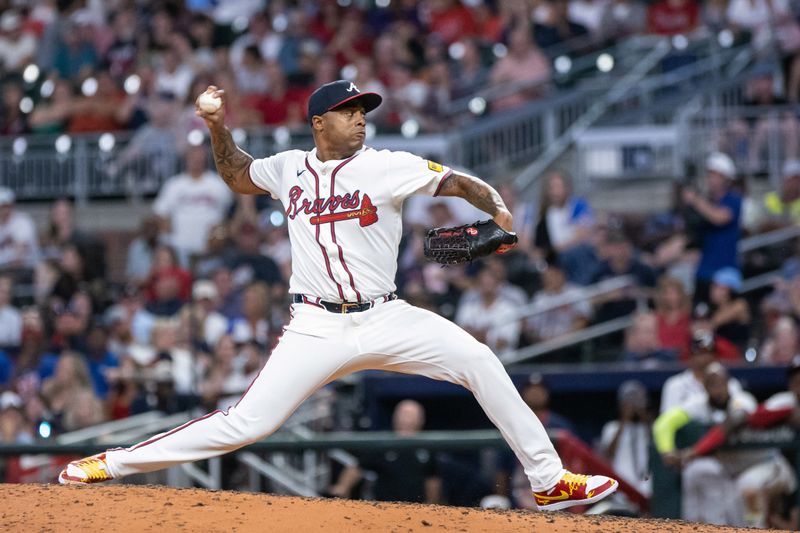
(346, 306)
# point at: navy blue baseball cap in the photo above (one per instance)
(336, 93)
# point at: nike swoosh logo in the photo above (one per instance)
(300, 172)
(543, 498)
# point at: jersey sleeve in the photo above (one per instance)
(409, 174)
(164, 202)
(267, 173)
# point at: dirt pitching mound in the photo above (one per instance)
(35, 508)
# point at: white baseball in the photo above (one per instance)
(209, 103)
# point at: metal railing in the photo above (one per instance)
(759, 138)
(612, 285)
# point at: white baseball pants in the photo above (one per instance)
(318, 347)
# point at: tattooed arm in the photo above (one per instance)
(233, 163)
(480, 194)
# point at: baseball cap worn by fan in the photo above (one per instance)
(702, 341)
(722, 164)
(728, 277)
(337, 93)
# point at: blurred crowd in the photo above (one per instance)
(95, 66)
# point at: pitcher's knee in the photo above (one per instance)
(247, 430)
(478, 362)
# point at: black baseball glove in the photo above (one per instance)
(451, 246)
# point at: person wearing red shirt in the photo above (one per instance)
(673, 317)
(451, 20)
(282, 105)
(672, 17)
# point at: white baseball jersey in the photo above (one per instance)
(344, 216)
(193, 207)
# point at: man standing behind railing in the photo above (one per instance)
(719, 212)
(191, 203)
(19, 245)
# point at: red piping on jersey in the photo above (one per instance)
(190, 422)
(321, 247)
(333, 230)
(309, 302)
(441, 182)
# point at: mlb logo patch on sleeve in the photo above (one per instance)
(436, 167)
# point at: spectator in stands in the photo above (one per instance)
(12, 120)
(671, 17)
(720, 211)
(169, 285)
(152, 151)
(62, 389)
(759, 132)
(622, 18)
(557, 31)
(625, 442)
(166, 360)
(471, 73)
(76, 54)
(105, 109)
(122, 54)
(782, 208)
(71, 274)
(10, 317)
(564, 229)
(620, 260)
(99, 359)
(61, 231)
(250, 75)
(192, 202)
(785, 298)
(720, 490)
(230, 296)
(259, 34)
(175, 73)
(729, 313)
(52, 115)
(642, 343)
(680, 387)
(141, 250)
(550, 321)
(524, 67)
(451, 20)
(19, 245)
(282, 105)
(673, 317)
(70, 320)
(403, 475)
(206, 324)
(490, 318)
(246, 262)
(536, 393)
(252, 325)
(17, 46)
(84, 410)
(782, 344)
(14, 428)
(231, 372)
(765, 21)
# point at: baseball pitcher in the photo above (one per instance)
(343, 204)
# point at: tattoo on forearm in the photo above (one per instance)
(475, 191)
(230, 159)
